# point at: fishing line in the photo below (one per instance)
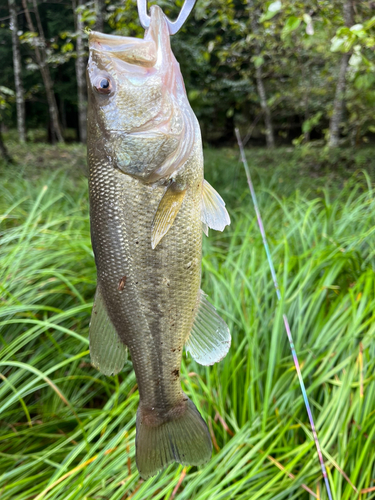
(286, 323)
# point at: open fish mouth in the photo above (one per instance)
(137, 88)
(131, 50)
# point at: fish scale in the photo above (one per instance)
(160, 291)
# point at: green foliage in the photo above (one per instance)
(291, 24)
(6, 95)
(297, 45)
(272, 9)
(67, 432)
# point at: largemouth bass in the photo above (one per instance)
(148, 205)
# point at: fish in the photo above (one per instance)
(149, 206)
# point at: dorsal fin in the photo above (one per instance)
(214, 213)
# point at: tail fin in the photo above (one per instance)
(180, 436)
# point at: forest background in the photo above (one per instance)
(298, 79)
(282, 71)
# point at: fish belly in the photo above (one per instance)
(150, 294)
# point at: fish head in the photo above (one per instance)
(139, 115)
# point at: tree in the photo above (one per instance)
(358, 41)
(81, 71)
(17, 72)
(40, 55)
(258, 61)
(99, 23)
(338, 104)
(5, 96)
(227, 57)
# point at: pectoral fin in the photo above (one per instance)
(209, 340)
(214, 213)
(205, 228)
(108, 353)
(166, 213)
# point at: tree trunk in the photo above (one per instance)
(40, 55)
(338, 104)
(339, 101)
(20, 100)
(62, 114)
(81, 74)
(306, 135)
(305, 79)
(266, 110)
(99, 24)
(3, 150)
(254, 15)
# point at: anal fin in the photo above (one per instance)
(166, 213)
(108, 353)
(209, 340)
(214, 213)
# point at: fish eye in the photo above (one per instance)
(103, 85)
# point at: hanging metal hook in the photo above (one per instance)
(173, 26)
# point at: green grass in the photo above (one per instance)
(67, 432)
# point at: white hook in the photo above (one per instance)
(173, 26)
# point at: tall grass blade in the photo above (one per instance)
(286, 323)
(323, 247)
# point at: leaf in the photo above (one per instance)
(309, 25)
(266, 16)
(6, 91)
(312, 122)
(364, 82)
(358, 30)
(355, 60)
(193, 95)
(310, 29)
(291, 25)
(211, 46)
(258, 61)
(272, 10)
(336, 43)
(343, 41)
(370, 23)
(274, 6)
(370, 42)
(356, 27)
(68, 47)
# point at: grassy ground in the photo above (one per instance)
(67, 432)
